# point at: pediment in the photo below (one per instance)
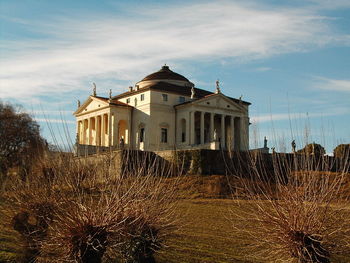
(219, 101)
(91, 104)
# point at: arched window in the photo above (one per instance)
(164, 132)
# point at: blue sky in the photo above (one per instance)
(290, 59)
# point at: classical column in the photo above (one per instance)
(187, 135)
(89, 131)
(202, 127)
(211, 134)
(232, 123)
(103, 142)
(244, 133)
(109, 130)
(222, 131)
(98, 131)
(115, 131)
(192, 129)
(84, 132)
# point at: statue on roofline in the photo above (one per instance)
(94, 89)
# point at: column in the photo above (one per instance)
(115, 131)
(192, 129)
(84, 132)
(94, 141)
(202, 127)
(98, 131)
(89, 131)
(244, 133)
(211, 133)
(109, 129)
(232, 123)
(103, 142)
(188, 123)
(222, 131)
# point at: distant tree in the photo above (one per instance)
(20, 139)
(342, 151)
(313, 148)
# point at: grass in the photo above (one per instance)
(204, 236)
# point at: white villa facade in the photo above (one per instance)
(164, 111)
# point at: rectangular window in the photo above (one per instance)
(142, 134)
(183, 137)
(165, 97)
(181, 99)
(128, 100)
(142, 97)
(164, 135)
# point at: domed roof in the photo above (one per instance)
(165, 73)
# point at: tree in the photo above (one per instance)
(342, 151)
(20, 139)
(313, 149)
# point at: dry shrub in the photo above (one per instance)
(88, 210)
(298, 212)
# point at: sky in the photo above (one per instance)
(290, 59)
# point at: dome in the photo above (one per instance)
(165, 73)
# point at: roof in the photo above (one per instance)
(168, 87)
(164, 86)
(112, 101)
(165, 73)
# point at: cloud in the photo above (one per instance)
(341, 85)
(115, 50)
(263, 69)
(60, 121)
(298, 116)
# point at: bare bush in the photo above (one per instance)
(88, 211)
(298, 212)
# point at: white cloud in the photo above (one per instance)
(114, 49)
(263, 69)
(298, 116)
(60, 121)
(342, 85)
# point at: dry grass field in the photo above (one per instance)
(203, 237)
(205, 234)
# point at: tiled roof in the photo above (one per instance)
(164, 86)
(165, 73)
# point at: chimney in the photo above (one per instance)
(137, 87)
(130, 88)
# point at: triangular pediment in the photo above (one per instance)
(218, 101)
(92, 104)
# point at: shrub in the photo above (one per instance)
(342, 151)
(313, 149)
(20, 139)
(297, 214)
(86, 211)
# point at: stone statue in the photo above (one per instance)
(192, 93)
(94, 89)
(293, 146)
(110, 94)
(78, 103)
(217, 87)
(215, 136)
(265, 142)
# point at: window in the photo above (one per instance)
(183, 137)
(181, 99)
(142, 134)
(165, 97)
(128, 100)
(164, 135)
(135, 100)
(142, 97)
